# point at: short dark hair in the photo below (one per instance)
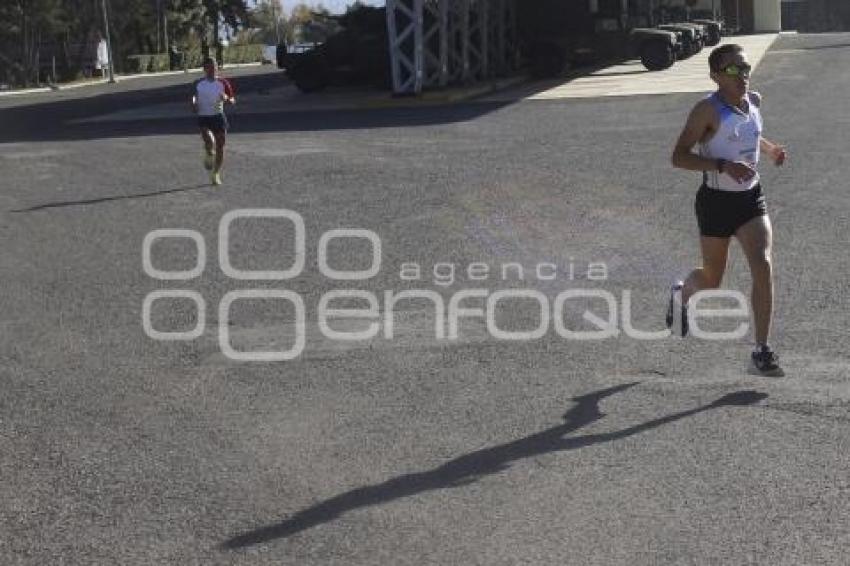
(717, 55)
(208, 61)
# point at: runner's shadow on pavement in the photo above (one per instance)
(469, 468)
(61, 204)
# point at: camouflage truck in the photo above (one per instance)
(556, 34)
(357, 54)
(692, 37)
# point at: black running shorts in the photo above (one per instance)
(721, 213)
(216, 123)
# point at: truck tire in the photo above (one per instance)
(310, 81)
(657, 55)
(697, 47)
(713, 37)
(311, 73)
(688, 48)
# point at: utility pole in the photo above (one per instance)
(738, 15)
(156, 17)
(272, 4)
(108, 42)
(165, 42)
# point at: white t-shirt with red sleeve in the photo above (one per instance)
(209, 94)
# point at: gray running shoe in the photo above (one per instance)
(671, 307)
(765, 362)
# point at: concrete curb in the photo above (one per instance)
(23, 92)
(448, 96)
(118, 79)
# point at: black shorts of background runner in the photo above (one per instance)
(721, 213)
(217, 123)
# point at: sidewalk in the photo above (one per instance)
(631, 78)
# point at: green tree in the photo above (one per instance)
(26, 24)
(33, 32)
(266, 24)
(233, 13)
(311, 25)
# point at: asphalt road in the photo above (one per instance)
(415, 449)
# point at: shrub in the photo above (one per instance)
(157, 62)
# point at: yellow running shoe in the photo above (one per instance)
(215, 178)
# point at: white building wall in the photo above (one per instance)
(768, 16)
(768, 13)
(705, 4)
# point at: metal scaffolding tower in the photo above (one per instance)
(434, 43)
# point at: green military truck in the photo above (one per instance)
(556, 34)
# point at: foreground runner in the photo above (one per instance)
(727, 125)
(208, 97)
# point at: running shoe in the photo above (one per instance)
(765, 362)
(215, 178)
(209, 160)
(675, 290)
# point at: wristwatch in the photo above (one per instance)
(721, 164)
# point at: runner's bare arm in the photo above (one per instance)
(700, 122)
(194, 98)
(229, 94)
(773, 150)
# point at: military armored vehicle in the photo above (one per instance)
(556, 35)
(358, 54)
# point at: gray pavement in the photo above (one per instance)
(117, 448)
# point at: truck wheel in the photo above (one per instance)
(310, 74)
(687, 48)
(697, 47)
(657, 56)
(310, 82)
(548, 61)
(713, 38)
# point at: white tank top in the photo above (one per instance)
(736, 139)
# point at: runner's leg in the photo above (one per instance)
(209, 140)
(715, 252)
(756, 238)
(219, 136)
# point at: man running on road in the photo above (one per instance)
(727, 125)
(209, 95)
